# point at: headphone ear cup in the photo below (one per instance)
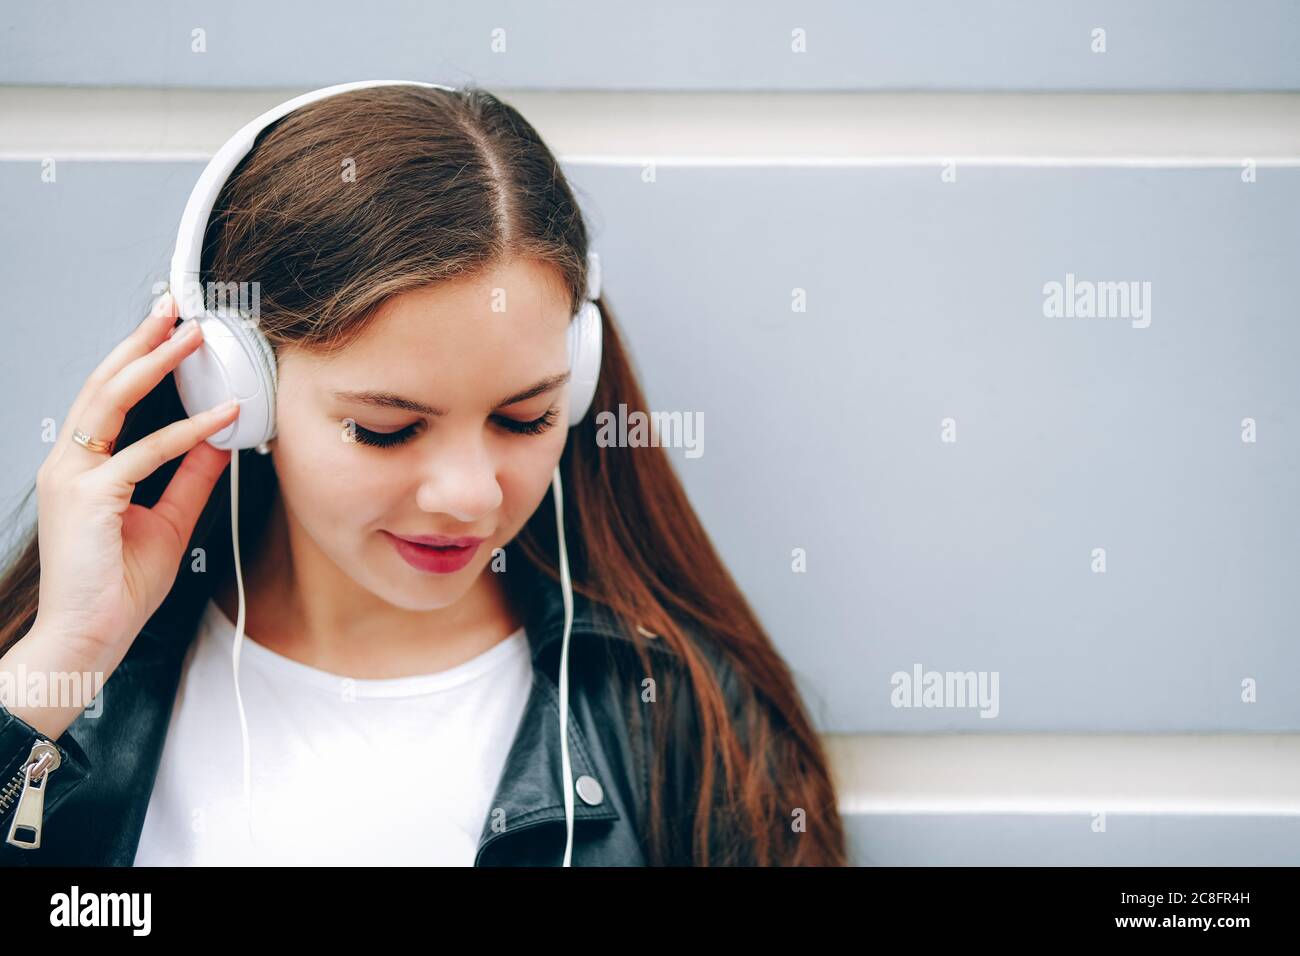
(235, 360)
(585, 346)
(267, 371)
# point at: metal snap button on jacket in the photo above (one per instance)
(589, 789)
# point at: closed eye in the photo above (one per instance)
(382, 439)
(534, 427)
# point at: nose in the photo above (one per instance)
(460, 480)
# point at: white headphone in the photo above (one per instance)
(236, 361)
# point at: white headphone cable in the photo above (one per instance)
(239, 638)
(567, 588)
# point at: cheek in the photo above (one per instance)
(527, 469)
(332, 484)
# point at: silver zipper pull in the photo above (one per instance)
(25, 830)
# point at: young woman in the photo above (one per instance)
(418, 256)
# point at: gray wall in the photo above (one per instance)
(924, 302)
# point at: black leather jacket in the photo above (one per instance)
(95, 801)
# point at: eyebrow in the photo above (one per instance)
(379, 399)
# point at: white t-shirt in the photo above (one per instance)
(398, 771)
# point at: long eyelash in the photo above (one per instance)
(382, 439)
(535, 427)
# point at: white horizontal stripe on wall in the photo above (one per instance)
(1237, 774)
(735, 129)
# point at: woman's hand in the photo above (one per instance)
(107, 564)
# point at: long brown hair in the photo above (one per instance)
(368, 194)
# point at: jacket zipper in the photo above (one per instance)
(32, 777)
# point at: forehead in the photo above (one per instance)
(513, 315)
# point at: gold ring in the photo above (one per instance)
(94, 444)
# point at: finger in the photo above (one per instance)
(146, 337)
(190, 488)
(105, 413)
(141, 459)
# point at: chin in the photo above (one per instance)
(410, 590)
(410, 600)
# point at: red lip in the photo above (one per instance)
(436, 559)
